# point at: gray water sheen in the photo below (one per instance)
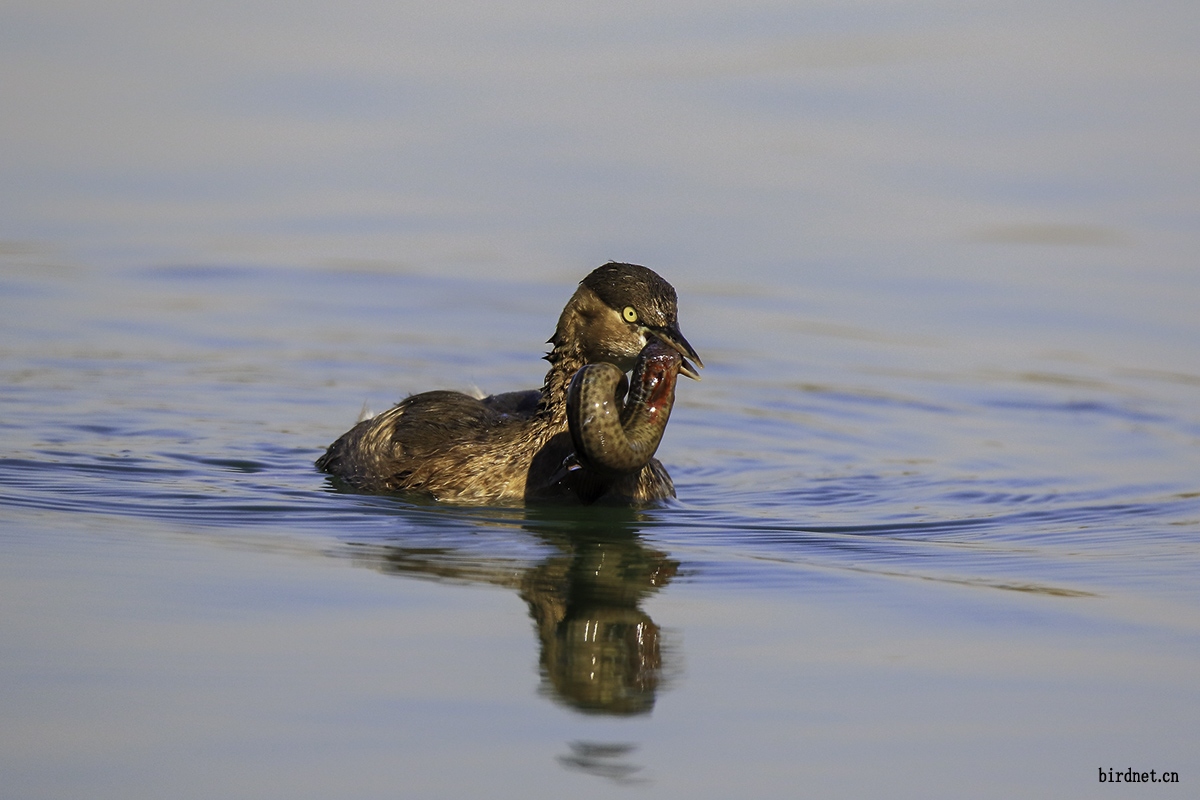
(938, 526)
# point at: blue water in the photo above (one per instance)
(938, 522)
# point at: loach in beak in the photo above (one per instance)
(675, 339)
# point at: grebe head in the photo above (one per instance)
(616, 310)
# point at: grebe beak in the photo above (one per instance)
(675, 339)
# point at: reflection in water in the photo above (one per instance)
(600, 652)
(604, 760)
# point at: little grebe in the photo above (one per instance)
(577, 438)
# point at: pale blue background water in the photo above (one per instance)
(939, 520)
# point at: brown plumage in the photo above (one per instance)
(516, 447)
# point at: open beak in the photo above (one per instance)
(675, 339)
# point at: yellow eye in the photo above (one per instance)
(630, 314)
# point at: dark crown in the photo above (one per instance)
(621, 285)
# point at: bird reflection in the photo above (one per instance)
(600, 652)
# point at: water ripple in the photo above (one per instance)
(1043, 542)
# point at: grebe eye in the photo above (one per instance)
(630, 314)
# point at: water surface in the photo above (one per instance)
(938, 523)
